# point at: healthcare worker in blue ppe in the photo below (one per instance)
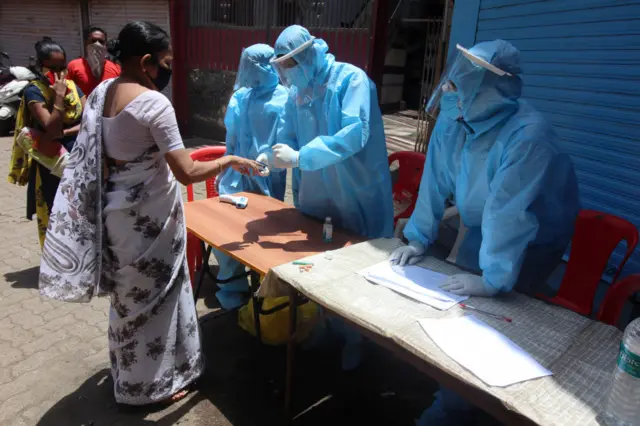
(497, 158)
(252, 118)
(332, 136)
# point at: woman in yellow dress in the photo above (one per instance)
(52, 109)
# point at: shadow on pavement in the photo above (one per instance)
(93, 404)
(27, 278)
(246, 382)
(243, 385)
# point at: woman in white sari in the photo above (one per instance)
(119, 229)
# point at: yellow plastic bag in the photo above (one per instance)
(275, 327)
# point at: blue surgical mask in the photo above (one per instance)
(449, 105)
(297, 77)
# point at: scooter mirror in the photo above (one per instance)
(5, 55)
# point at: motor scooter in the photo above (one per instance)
(13, 81)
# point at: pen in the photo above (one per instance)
(496, 316)
(299, 262)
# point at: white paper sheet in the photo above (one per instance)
(481, 349)
(413, 281)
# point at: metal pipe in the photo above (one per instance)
(420, 20)
(394, 11)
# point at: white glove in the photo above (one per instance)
(60, 165)
(285, 157)
(410, 254)
(264, 158)
(468, 285)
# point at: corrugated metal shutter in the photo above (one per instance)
(582, 68)
(24, 22)
(112, 15)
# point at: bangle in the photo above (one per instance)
(58, 108)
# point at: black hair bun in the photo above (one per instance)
(43, 41)
(113, 47)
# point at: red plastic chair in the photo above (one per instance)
(194, 252)
(596, 237)
(614, 301)
(405, 190)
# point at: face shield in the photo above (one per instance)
(244, 72)
(463, 67)
(255, 70)
(290, 71)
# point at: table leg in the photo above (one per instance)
(203, 269)
(257, 304)
(291, 349)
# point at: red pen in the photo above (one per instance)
(496, 316)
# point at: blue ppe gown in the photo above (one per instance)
(333, 119)
(516, 192)
(336, 125)
(251, 120)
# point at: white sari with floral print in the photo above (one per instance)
(125, 236)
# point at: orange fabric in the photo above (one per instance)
(80, 72)
(49, 148)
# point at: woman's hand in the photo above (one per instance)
(59, 86)
(245, 166)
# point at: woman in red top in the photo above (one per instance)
(94, 68)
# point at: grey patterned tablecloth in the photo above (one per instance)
(580, 352)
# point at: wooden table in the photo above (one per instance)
(262, 236)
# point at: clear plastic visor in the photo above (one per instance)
(462, 64)
(285, 62)
(243, 72)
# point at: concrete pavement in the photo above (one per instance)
(48, 350)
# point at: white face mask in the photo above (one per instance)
(96, 57)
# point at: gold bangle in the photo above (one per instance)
(58, 108)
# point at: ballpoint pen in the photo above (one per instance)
(496, 316)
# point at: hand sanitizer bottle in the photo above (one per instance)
(327, 230)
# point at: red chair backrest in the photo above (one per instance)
(596, 237)
(405, 190)
(209, 153)
(616, 297)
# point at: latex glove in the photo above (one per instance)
(468, 285)
(410, 254)
(285, 157)
(264, 158)
(60, 165)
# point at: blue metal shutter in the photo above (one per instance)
(582, 70)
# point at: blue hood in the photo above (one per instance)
(315, 60)
(489, 99)
(255, 70)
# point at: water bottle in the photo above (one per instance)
(327, 230)
(623, 407)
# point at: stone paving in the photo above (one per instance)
(47, 349)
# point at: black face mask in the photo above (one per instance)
(162, 79)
